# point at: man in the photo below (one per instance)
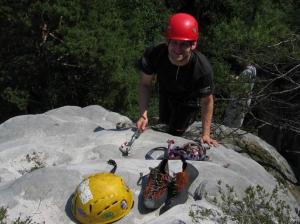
(184, 77)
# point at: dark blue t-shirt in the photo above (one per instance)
(185, 84)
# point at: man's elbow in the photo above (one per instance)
(145, 86)
(207, 100)
(145, 83)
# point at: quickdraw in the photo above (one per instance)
(125, 148)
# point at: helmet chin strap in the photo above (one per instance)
(114, 164)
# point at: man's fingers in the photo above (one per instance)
(201, 140)
(143, 125)
(143, 128)
(216, 144)
(213, 143)
(209, 141)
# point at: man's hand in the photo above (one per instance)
(142, 123)
(208, 140)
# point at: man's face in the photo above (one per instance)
(180, 51)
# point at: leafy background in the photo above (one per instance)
(55, 53)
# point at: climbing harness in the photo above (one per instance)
(126, 146)
(189, 151)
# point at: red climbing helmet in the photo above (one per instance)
(182, 26)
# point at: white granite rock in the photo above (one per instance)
(44, 157)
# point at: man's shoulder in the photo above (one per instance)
(157, 49)
(200, 56)
(202, 62)
(161, 45)
(149, 62)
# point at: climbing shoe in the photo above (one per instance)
(156, 188)
(179, 186)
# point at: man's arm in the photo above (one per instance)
(144, 90)
(207, 107)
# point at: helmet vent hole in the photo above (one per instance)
(91, 208)
(124, 204)
(99, 213)
(115, 202)
(106, 207)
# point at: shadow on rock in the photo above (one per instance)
(98, 129)
(68, 209)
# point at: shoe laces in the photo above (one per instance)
(157, 181)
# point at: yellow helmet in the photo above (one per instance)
(101, 198)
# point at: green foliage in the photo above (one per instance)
(27, 220)
(74, 53)
(246, 35)
(84, 52)
(3, 218)
(256, 206)
(3, 215)
(18, 97)
(262, 33)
